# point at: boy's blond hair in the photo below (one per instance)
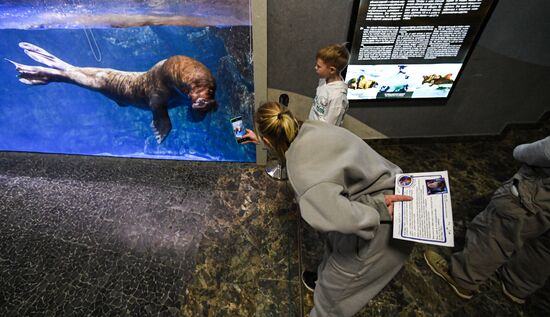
(276, 123)
(336, 55)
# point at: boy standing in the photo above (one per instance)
(330, 102)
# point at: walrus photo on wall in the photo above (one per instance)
(128, 78)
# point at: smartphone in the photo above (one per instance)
(238, 129)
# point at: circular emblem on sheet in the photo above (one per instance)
(405, 181)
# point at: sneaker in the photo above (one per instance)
(440, 267)
(309, 279)
(510, 296)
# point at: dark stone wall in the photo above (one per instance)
(504, 81)
(296, 29)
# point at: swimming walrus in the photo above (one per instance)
(152, 90)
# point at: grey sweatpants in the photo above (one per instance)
(506, 237)
(352, 273)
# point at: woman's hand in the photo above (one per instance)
(250, 137)
(390, 199)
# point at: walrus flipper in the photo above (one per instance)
(38, 75)
(42, 56)
(161, 123)
(34, 75)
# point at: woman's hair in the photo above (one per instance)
(277, 124)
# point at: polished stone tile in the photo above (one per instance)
(255, 272)
(130, 246)
(108, 237)
(91, 236)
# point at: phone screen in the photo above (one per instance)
(238, 129)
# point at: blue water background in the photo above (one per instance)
(64, 118)
(30, 14)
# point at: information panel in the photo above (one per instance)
(412, 48)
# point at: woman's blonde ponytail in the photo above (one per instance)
(277, 124)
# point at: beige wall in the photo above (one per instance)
(259, 40)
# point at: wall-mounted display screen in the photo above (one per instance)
(411, 48)
(126, 78)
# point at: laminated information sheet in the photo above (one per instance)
(428, 218)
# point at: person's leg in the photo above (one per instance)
(491, 239)
(528, 270)
(330, 289)
(349, 280)
(333, 278)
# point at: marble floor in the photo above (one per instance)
(96, 236)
